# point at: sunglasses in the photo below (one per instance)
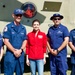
(18, 15)
(57, 19)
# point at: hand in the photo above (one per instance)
(51, 51)
(17, 53)
(55, 52)
(44, 60)
(27, 62)
(0, 59)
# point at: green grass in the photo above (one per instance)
(45, 73)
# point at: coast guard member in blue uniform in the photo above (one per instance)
(72, 46)
(15, 39)
(58, 37)
(1, 50)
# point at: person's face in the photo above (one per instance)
(17, 17)
(57, 20)
(36, 26)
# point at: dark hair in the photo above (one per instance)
(36, 20)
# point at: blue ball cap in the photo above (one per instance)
(56, 15)
(18, 11)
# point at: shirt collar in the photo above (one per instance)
(13, 25)
(35, 32)
(59, 26)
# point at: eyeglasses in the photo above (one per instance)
(18, 15)
(57, 19)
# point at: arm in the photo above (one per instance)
(27, 60)
(1, 53)
(71, 46)
(27, 52)
(16, 52)
(44, 58)
(44, 47)
(24, 45)
(48, 45)
(6, 36)
(7, 43)
(64, 44)
(71, 40)
(66, 39)
(22, 48)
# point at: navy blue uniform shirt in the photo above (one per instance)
(15, 34)
(72, 39)
(1, 41)
(56, 36)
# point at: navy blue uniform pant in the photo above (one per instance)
(11, 66)
(73, 69)
(58, 65)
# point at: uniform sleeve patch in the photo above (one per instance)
(5, 29)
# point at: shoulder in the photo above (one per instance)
(43, 33)
(0, 35)
(73, 30)
(63, 26)
(9, 24)
(29, 33)
(51, 27)
(7, 27)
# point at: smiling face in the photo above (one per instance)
(17, 18)
(36, 25)
(57, 20)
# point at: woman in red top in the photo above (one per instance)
(36, 49)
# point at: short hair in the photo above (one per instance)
(36, 20)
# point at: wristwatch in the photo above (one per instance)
(22, 50)
(57, 51)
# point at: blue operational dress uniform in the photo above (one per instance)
(58, 64)
(72, 39)
(1, 43)
(16, 36)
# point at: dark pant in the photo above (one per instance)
(11, 64)
(9, 67)
(58, 65)
(73, 69)
(0, 67)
